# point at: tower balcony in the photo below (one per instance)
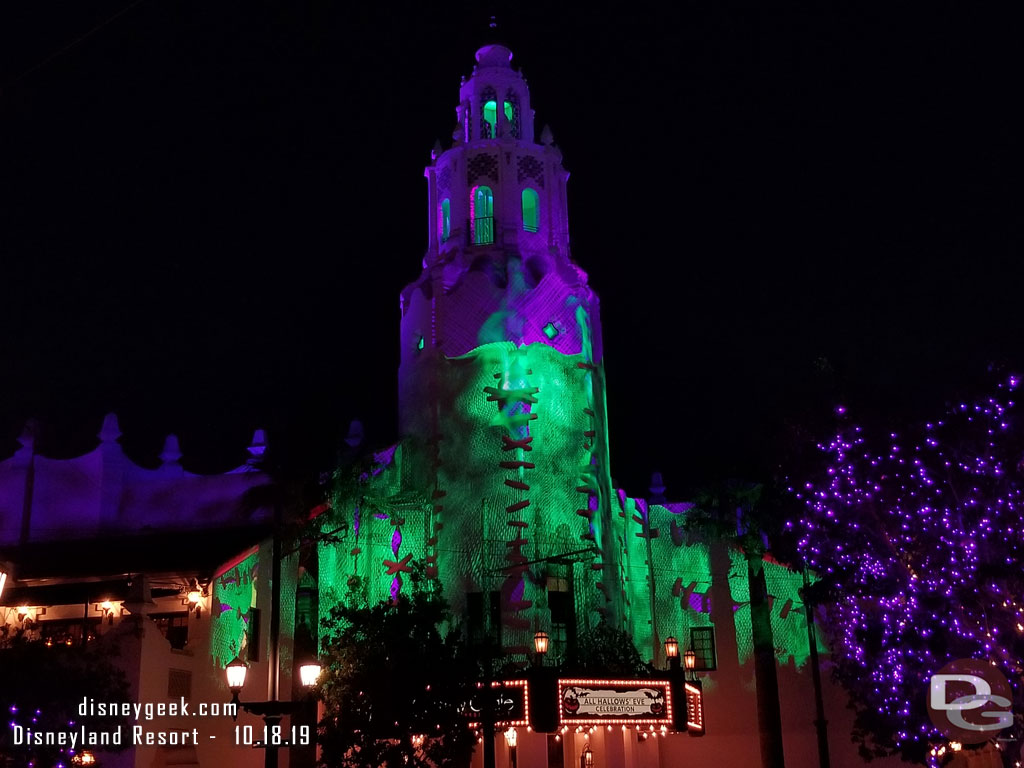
(480, 230)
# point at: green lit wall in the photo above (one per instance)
(234, 595)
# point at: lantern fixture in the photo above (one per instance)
(236, 672)
(587, 758)
(672, 652)
(540, 643)
(512, 736)
(690, 660)
(309, 672)
(4, 571)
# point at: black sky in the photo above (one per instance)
(209, 208)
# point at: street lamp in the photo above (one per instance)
(540, 644)
(271, 711)
(309, 672)
(672, 652)
(236, 672)
(512, 738)
(690, 663)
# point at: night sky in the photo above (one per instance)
(209, 208)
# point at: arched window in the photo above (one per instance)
(446, 219)
(483, 215)
(531, 210)
(512, 112)
(488, 114)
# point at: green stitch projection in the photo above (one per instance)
(789, 617)
(234, 594)
(514, 482)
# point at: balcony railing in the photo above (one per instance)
(481, 230)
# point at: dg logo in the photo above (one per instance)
(969, 701)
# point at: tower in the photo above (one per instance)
(501, 384)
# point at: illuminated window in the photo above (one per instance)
(421, 344)
(512, 112)
(488, 113)
(483, 215)
(446, 219)
(490, 110)
(531, 210)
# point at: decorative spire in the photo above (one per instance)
(171, 453)
(437, 150)
(110, 431)
(27, 438)
(257, 447)
(355, 435)
(657, 489)
(546, 136)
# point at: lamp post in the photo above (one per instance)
(820, 723)
(271, 711)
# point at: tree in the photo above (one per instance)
(43, 686)
(917, 536)
(745, 516)
(393, 683)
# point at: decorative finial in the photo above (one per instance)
(436, 151)
(110, 431)
(657, 488)
(258, 446)
(546, 136)
(28, 433)
(355, 435)
(171, 452)
(139, 600)
(494, 22)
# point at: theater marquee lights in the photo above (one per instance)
(694, 708)
(613, 702)
(512, 707)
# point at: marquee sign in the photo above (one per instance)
(510, 703)
(694, 708)
(591, 702)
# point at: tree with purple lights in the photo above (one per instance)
(919, 539)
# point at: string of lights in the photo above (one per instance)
(921, 536)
